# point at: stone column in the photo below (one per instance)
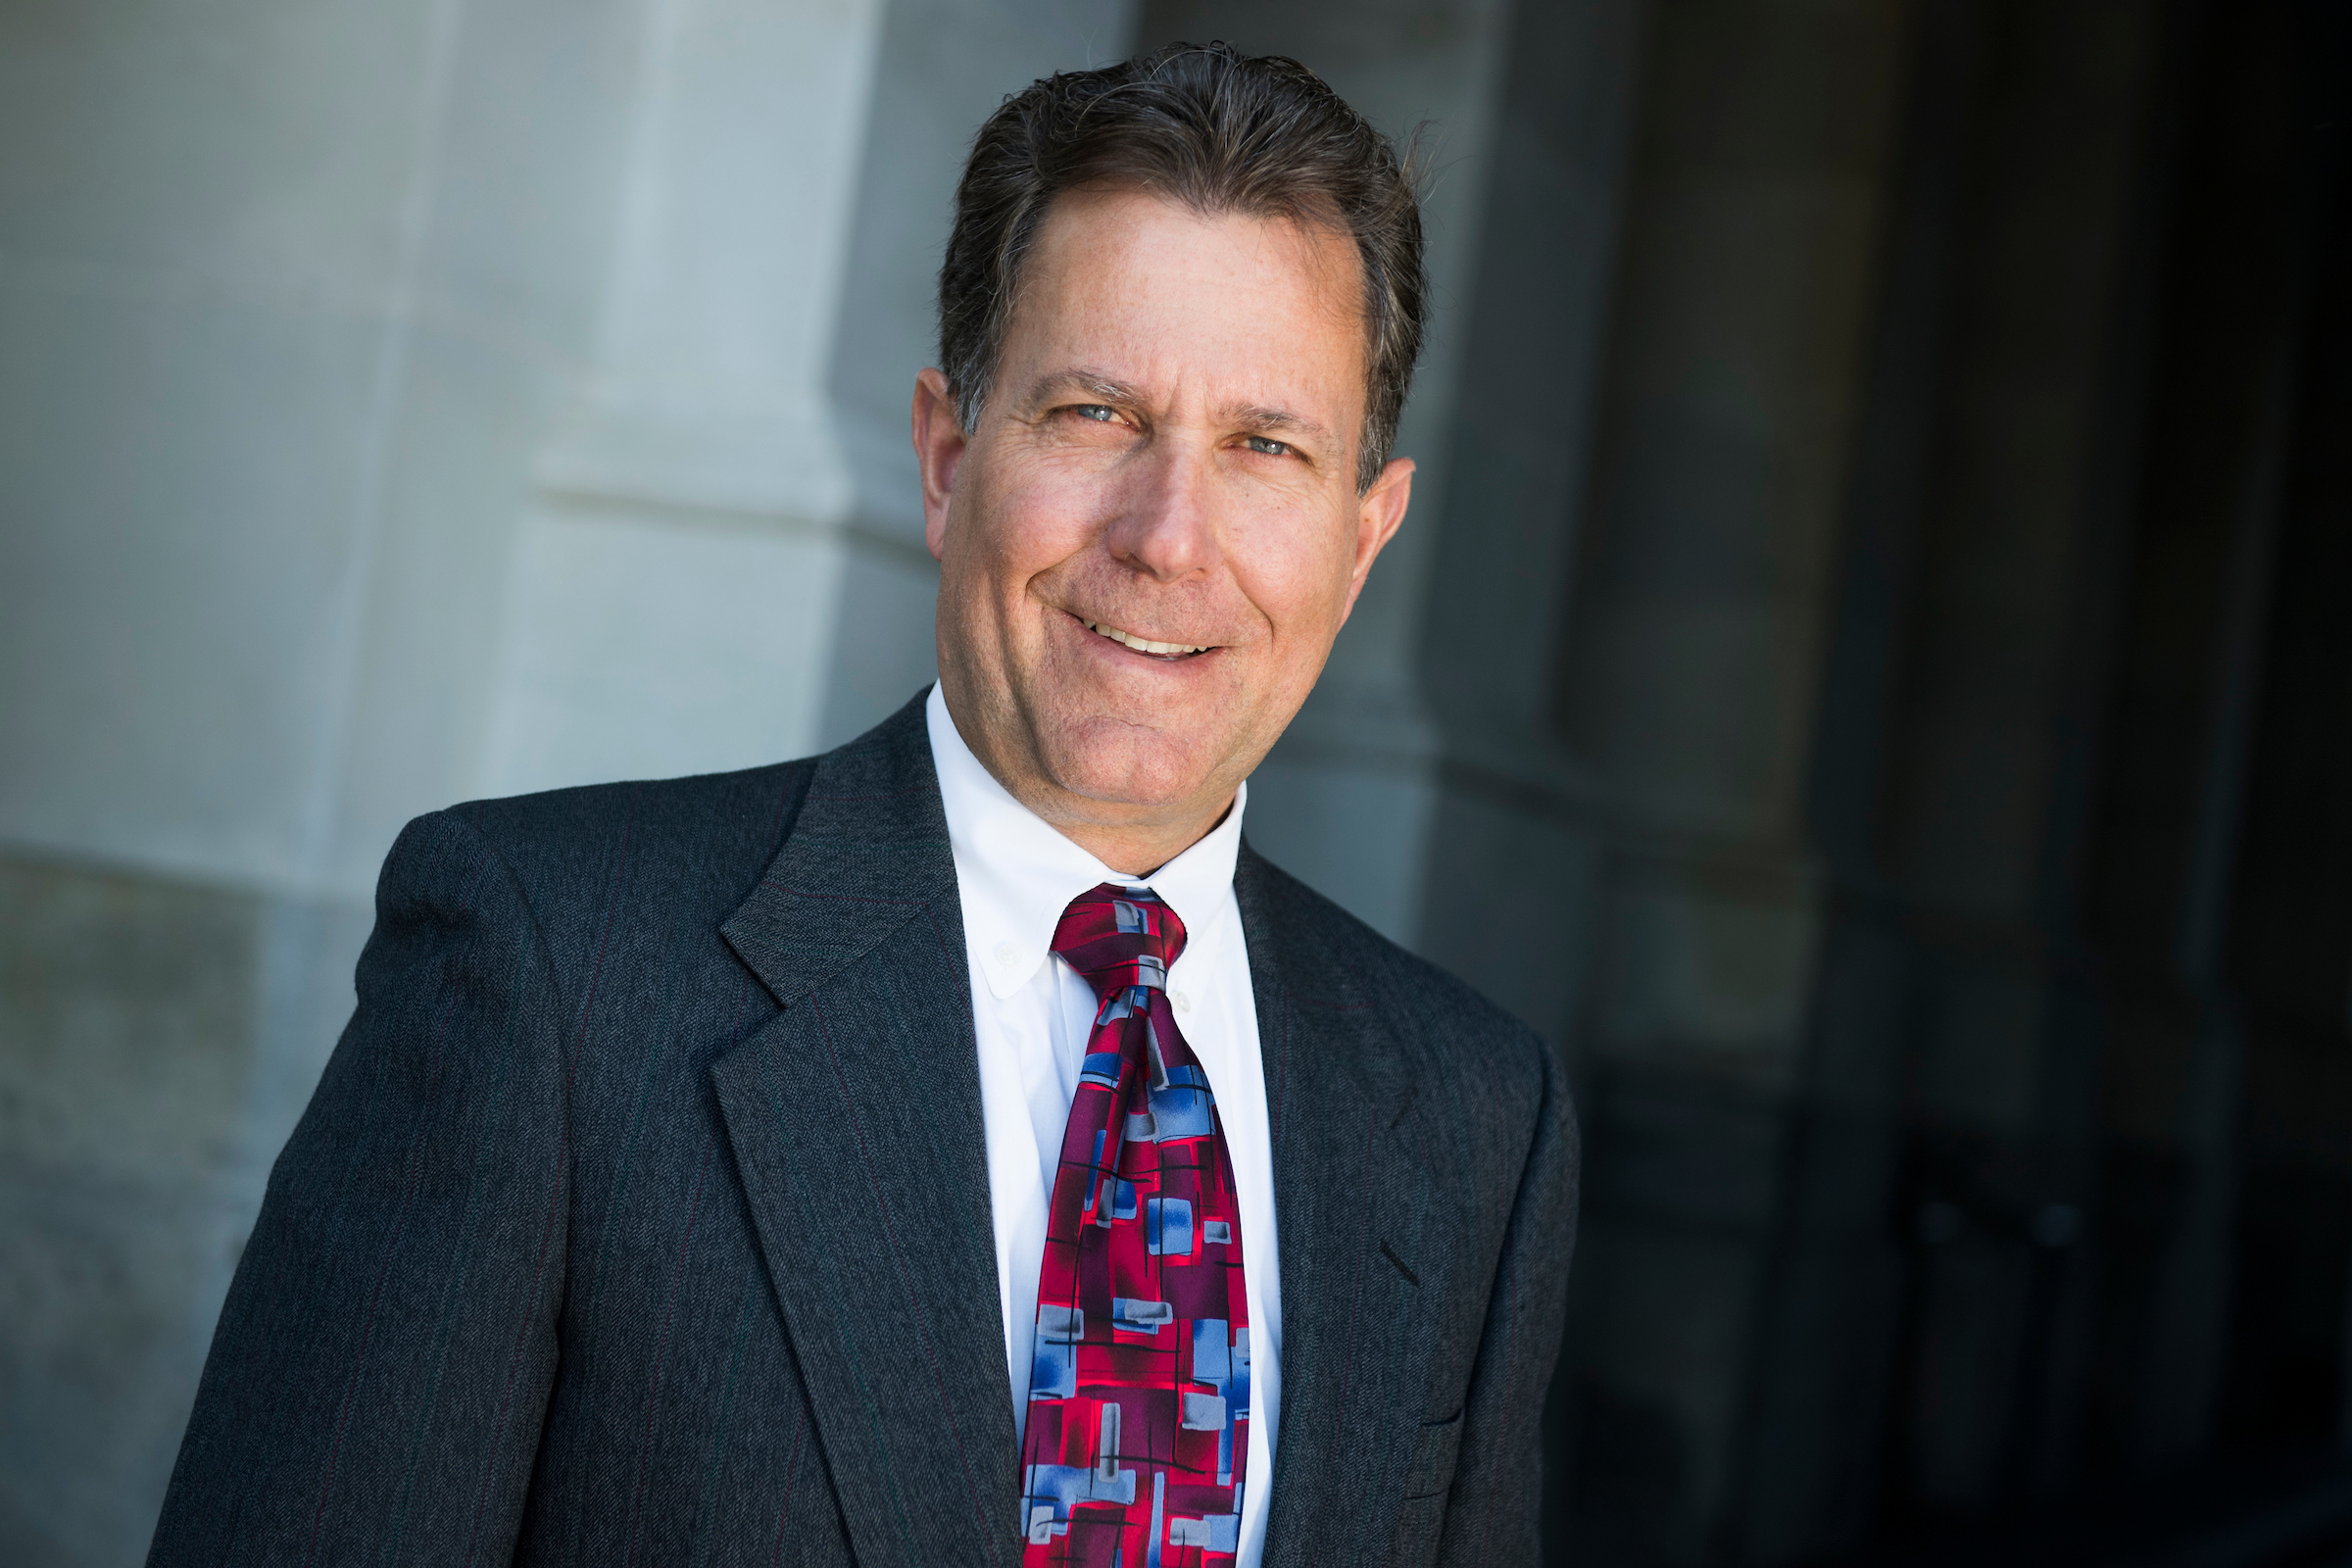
(1986, 790)
(2230, 333)
(1688, 687)
(285, 291)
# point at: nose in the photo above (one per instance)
(1168, 527)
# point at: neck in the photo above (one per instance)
(1133, 841)
(1135, 850)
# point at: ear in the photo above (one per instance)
(939, 443)
(1379, 513)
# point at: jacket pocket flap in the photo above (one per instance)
(1434, 1449)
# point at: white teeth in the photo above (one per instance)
(1142, 645)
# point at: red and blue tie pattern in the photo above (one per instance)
(1138, 1402)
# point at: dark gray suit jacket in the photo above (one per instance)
(641, 1213)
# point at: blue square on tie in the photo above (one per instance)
(1168, 1227)
(1053, 1371)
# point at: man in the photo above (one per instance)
(960, 1148)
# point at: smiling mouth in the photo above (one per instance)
(1144, 645)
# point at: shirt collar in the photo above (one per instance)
(1016, 874)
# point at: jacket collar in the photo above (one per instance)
(867, 853)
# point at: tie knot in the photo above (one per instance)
(1119, 936)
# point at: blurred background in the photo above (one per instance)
(1869, 670)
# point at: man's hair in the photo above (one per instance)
(1219, 131)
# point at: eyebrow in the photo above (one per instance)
(1094, 383)
(1255, 419)
(1263, 421)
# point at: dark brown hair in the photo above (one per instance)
(1212, 127)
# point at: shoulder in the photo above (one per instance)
(703, 840)
(722, 815)
(1435, 1015)
(658, 858)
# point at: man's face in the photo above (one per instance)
(1152, 535)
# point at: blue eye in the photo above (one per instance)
(1095, 412)
(1271, 448)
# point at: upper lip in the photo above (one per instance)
(1141, 644)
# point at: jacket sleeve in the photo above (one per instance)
(1493, 1512)
(375, 1386)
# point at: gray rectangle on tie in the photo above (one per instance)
(1107, 1453)
(1129, 1313)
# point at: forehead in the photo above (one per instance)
(1179, 302)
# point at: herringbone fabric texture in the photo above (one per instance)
(1139, 1404)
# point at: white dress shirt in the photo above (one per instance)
(1032, 1013)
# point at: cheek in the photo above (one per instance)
(1296, 570)
(1034, 519)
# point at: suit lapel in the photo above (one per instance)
(1359, 1279)
(854, 1119)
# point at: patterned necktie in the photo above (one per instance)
(1139, 1403)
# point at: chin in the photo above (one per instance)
(1114, 763)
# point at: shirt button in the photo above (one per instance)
(1184, 1003)
(1008, 955)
